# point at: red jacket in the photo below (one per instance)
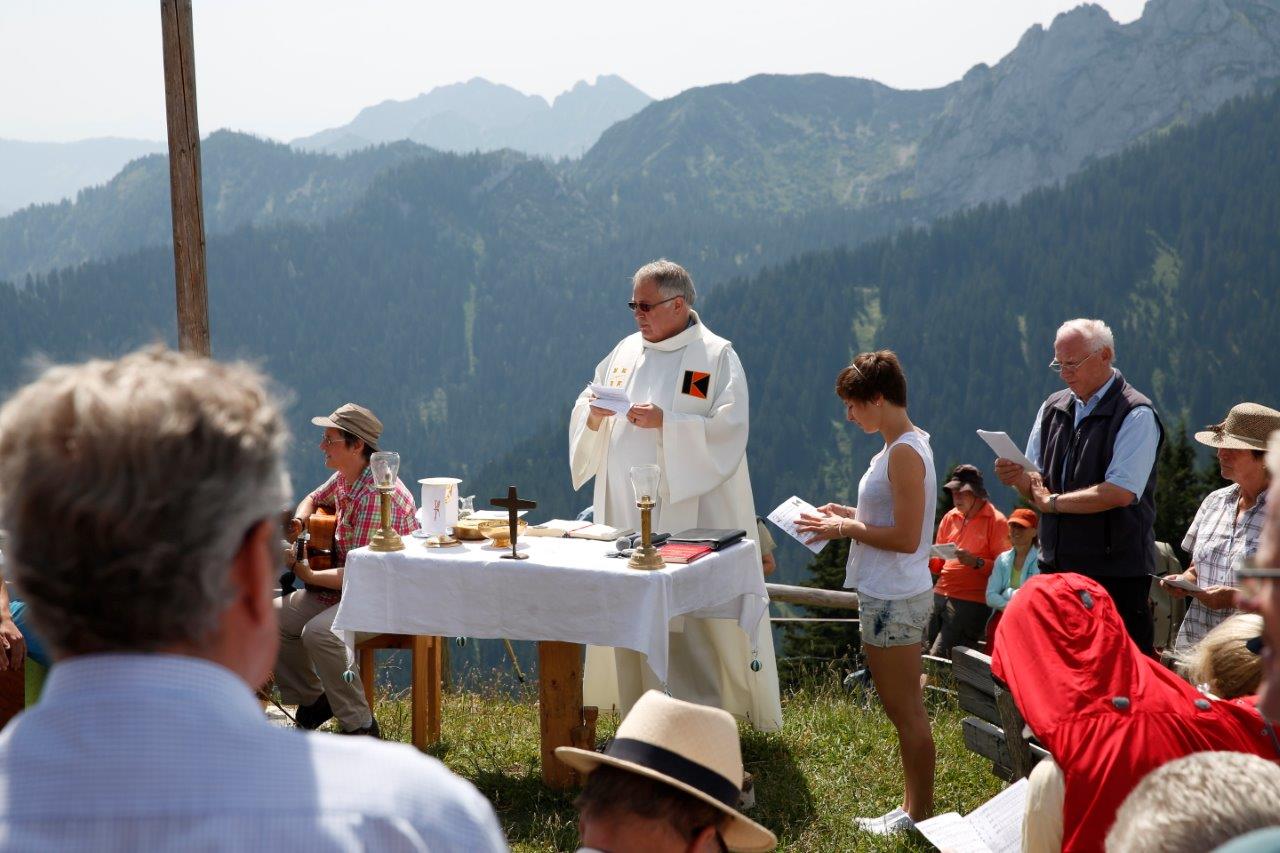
(1106, 712)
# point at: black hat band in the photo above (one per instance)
(676, 766)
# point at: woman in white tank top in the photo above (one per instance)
(890, 532)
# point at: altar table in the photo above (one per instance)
(567, 594)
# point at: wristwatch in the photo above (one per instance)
(1053, 504)
(981, 562)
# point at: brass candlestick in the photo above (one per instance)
(644, 480)
(385, 465)
(646, 556)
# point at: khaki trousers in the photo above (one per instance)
(312, 660)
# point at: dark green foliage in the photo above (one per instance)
(819, 646)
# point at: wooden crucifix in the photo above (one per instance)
(512, 503)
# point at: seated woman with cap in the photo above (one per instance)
(1012, 567)
(1229, 522)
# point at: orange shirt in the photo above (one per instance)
(985, 535)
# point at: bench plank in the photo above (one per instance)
(974, 668)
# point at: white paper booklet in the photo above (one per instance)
(993, 827)
(1179, 583)
(1006, 449)
(944, 551)
(787, 514)
(613, 399)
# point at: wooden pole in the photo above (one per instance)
(559, 706)
(184, 176)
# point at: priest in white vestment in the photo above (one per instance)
(689, 417)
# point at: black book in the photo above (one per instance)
(717, 538)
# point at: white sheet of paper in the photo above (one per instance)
(613, 399)
(944, 551)
(491, 514)
(999, 820)
(787, 514)
(950, 832)
(1179, 583)
(993, 827)
(1006, 449)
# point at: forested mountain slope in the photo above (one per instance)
(1175, 243)
(246, 181)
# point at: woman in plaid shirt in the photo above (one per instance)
(312, 661)
(1227, 525)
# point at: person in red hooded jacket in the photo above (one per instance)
(1106, 712)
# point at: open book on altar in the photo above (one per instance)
(993, 827)
(558, 527)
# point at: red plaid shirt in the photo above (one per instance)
(359, 509)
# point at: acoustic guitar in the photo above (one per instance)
(314, 544)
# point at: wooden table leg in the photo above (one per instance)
(559, 706)
(425, 684)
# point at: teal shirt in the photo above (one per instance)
(998, 590)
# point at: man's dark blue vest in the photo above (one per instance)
(1119, 542)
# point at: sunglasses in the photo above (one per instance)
(646, 307)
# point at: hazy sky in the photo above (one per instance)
(285, 68)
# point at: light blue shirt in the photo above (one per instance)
(998, 589)
(1134, 452)
(164, 752)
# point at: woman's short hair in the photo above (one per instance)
(128, 487)
(871, 375)
(671, 278)
(1221, 660)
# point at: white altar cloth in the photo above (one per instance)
(567, 590)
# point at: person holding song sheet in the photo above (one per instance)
(689, 416)
(890, 529)
(980, 533)
(1095, 443)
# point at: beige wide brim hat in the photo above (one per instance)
(690, 747)
(357, 420)
(1247, 427)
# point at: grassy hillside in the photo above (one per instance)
(835, 759)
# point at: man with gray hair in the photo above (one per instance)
(143, 498)
(1096, 443)
(1198, 803)
(689, 416)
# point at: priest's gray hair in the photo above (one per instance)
(1197, 802)
(128, 487)
(671, 278)
(1096, 333)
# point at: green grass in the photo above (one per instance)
(836, 758)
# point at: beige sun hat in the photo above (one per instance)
(357, 420)
(690, 747)
(1247, 427)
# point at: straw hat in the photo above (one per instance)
(690, 747)
(1247, 427)
(357, 420)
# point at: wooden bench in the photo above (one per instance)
(994, 730)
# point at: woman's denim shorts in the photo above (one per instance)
(894, 623)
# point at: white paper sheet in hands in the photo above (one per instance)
(787, 514)
(613, 399)
(1006, 449)
(943, 551)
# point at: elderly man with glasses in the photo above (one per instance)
(1096, 443)
(688, 416)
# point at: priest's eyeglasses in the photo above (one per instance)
(646, 307)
